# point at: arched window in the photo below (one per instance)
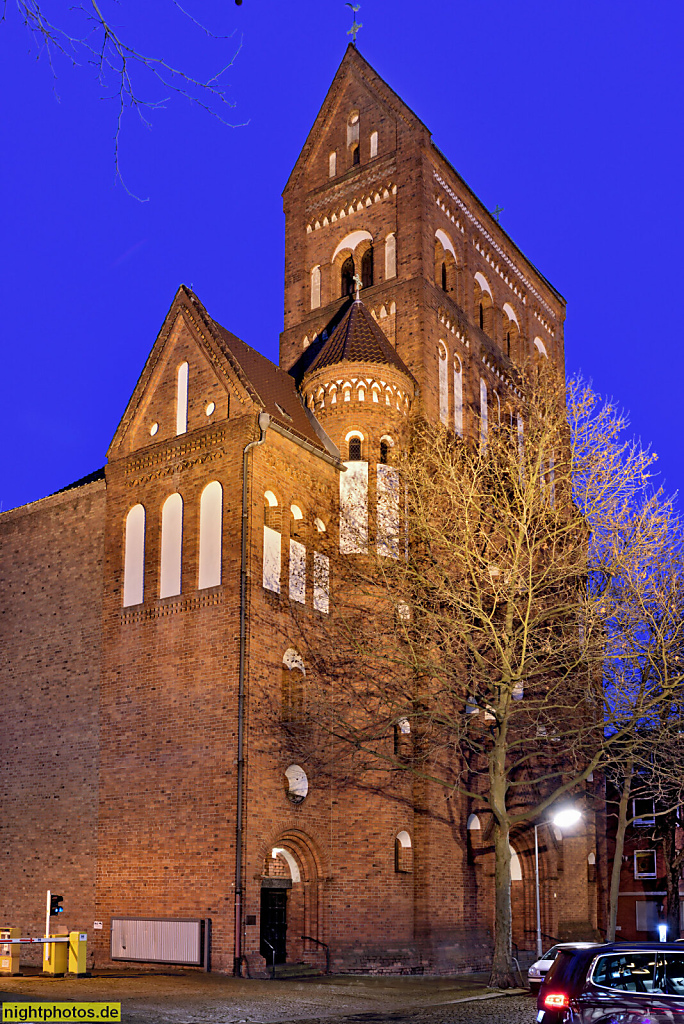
(367, 268)
(315, 287)
(484, 416)
(171, 546)
(297, 557)
(211, 534)
(182, 399)
(356, 155)
(292, 686)
(403, 852)
(347, 277)
(332, 165)
(516, 869)
(373, 144)
(473, 823)
(271, 559)
(444, 277)
(443, 384)
(388, 511)
(458, 396)
(134, 557)
(352, 128)
(354, 500)
(541, 347)
(384, 452)
(390, 256)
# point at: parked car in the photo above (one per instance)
(615, 983)
(540, 968)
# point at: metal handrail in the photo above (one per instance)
(274, 954)
(326, 947)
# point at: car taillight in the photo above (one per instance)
(556, 1001)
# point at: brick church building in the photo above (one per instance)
(143, 608)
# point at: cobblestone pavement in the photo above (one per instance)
(211, 999)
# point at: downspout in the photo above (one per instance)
(264, 421)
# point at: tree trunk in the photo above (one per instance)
(673, 872)
(502, 972)
(619, 850)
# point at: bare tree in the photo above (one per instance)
(87, 34)
(480, 618)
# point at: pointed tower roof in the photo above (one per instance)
(358, 339)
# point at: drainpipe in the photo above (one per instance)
(264, 421)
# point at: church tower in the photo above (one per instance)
(372, 197)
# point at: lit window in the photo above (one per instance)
(315, 287)
(374, 144)
(134, 557)
(297, 783)
(443, 383)
(271, 558)
(403, 853)
(390, 256)
(171, 546)
(182, 399)
(211, 533)
(332, 165)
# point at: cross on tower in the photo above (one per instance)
(357, 284)
(497, 211)
(356, 25)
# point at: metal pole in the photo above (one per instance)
(536, 879)
(263, 423)
(47, 913)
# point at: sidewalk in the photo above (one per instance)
(179, 996)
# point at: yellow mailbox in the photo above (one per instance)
(77, 953)
(9, 951)
(55, 956)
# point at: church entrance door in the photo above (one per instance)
(273, 938)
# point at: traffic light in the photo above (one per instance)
(55, 905)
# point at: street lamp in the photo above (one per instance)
(564, 818)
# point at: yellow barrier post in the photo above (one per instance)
(77, 953)
(55, 957)
(9, 951)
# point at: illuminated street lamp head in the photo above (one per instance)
(566, 817)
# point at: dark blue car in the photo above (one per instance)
(617, 983)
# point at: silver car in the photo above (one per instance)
(540, 968)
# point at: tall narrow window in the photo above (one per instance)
(321, 582)
(171, 546)
(297, 557)
(444, 277)
(508, 344)
(390, 256)
(374, 144)
(134, 557)
(384, 452)
(353, 128)
(484, 417)
(354, 502)
(211, 534)
(332, 165)
(271, 560)
(315, 287)
(356, 155)
(182, 399)
(458, 396)
(347, 277)
(367, 268)
(292, 687)
(481, 317)
(443, 384)
(388, 511)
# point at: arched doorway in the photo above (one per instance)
(290, 920)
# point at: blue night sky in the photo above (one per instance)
(568, 115)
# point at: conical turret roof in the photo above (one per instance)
(358, 339)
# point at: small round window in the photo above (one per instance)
(153, 429)
(296, 783)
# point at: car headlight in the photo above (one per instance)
(533, 973)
